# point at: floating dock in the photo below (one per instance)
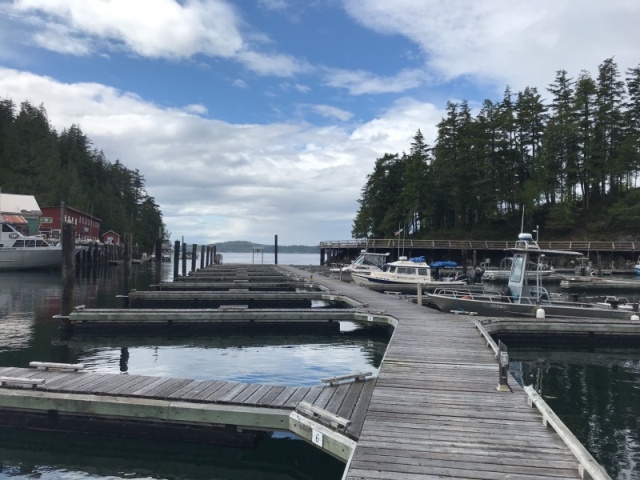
(435, 409)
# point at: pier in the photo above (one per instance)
(433, 410)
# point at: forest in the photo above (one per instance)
(566, 166)
(65, 167)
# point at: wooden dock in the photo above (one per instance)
(433, 411)
(436, 411)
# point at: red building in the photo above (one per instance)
(87, 226)
(111, 238)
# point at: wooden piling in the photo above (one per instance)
(127, 265)
(202, 259)
(176, 259)
(184, 259)
(275, 243)
(194, 254)
(68, 266)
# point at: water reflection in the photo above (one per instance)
(596, 394)
(295, 360)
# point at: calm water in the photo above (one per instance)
(28, 301)
(596, 393)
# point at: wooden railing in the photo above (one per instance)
(581, 245)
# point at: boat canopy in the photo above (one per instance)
(443, 264)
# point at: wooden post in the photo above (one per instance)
(68, 266)
(184, 259)
(194, 256)
(202, 250)
(158, 251)
(503, 368)
(276, 248)
(176, 259)
(126, 260)
(213, 254)
(419, 299)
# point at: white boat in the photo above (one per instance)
(523, 297)
(411, 271)
(20, 252)
(366, 263)
(637, 268)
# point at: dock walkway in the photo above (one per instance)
(436, 412)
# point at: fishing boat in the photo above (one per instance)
(366, 263)
(502, 272)
(409, 271)
(521, 296)
(21, 252)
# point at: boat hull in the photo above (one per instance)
(368, 280)
(495, 308)
(30, 258)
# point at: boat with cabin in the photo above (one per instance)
(364, 264)
(523, 296)
(501, 273)
(24, 252)
(409, 271)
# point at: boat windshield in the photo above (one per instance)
(517, 269)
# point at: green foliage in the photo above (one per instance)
(570, 165)
(36, 160)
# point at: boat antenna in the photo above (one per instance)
(522, 221)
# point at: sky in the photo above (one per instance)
(252, 119)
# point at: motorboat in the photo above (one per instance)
(364, 264)
(22, 252)
(522, 296)
(502, 273)
(637, 268)
(409, 271)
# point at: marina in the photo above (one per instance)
(387, 300)
(397, 374)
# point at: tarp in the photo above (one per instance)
(443, 263)
(14, 219)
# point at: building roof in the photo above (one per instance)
(19, 204)
(110, 232)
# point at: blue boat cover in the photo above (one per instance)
(443, 263)
(417, 259)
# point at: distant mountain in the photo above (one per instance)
(239, 246)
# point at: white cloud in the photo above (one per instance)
(332, 112)
(238, 82)
(216, 181)
(502, 42)
(153, 28)
(358, 82)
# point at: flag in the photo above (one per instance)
(398, 232)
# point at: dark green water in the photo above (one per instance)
(596, 393)
(28, 301)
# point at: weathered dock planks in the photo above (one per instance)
(436, 412)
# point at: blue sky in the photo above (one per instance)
(250, 119)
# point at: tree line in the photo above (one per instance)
(570, 164)
(65, 167)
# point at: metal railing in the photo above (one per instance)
(479, 245)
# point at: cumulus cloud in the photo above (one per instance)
(332, 112)
(230, 181)
(359, 82)
(502, 42)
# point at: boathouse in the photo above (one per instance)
(111, 238)
(87, 227)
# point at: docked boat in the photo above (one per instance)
(410, 271)
(521, 296)
(366, 263)
(637, 268)
(502, 273)
(21, 252)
